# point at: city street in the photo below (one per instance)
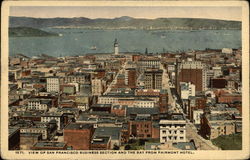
(201, 143)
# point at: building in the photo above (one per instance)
(78, 135)
(39, 104)
(119, 110)
(149, 62)
(197, 113)
(173, 129)
(57, 116)
(218, 83)
(14, 138)
(49, 146)
(53, 84)
(194, 72)
(101, 143)
(34, 129)
(214, 125)
(163, 101)
(230, 98)
(68, 88)
(198, 102)
(116, 47)
(80, 78)
(140, 127)
(101, 107)
(153, 79)
(130, 77)
(27, 140)
(98, 86)
(113, 132)
(227, 50)
(186, 90)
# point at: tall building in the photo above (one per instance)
(194, 72)
(98, 86)
(53, 84)
(130, 77)
(116, 47)
(153, 79)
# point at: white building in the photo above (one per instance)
(227, 50)
(47, 117)
(97, 86)
(173, 129)
(197, 116)
(151, 62)
(187, 89)
(53, 84)
(217, 71)
(39, 104)
(116, 47)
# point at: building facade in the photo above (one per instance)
(173, 129)
(153, 79)
(53, 84)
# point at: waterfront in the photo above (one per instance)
(82, 41)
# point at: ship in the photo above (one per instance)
(93, 48)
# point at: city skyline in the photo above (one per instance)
(125, 87)
(147, 12)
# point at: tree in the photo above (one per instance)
(127, 147)
(116, 147)
(142, 142)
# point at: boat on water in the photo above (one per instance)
(93, 48)
(60, 34)
(163, 36)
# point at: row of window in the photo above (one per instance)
(172, 132)
(172, 138)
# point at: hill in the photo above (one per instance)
(125, 23)
(28, 32)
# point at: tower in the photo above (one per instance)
(116, 47)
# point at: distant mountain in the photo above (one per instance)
(28, 32)
(125, 22)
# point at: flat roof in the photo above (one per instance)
(113, 132)
(78, 126)
(50, 144)
(100, 140)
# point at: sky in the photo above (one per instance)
(224, 13)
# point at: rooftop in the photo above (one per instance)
(13, 130)
(135, 110)
(113, 132)
(78, 126)
(50, 144)
(185, 145)
(100, 140)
